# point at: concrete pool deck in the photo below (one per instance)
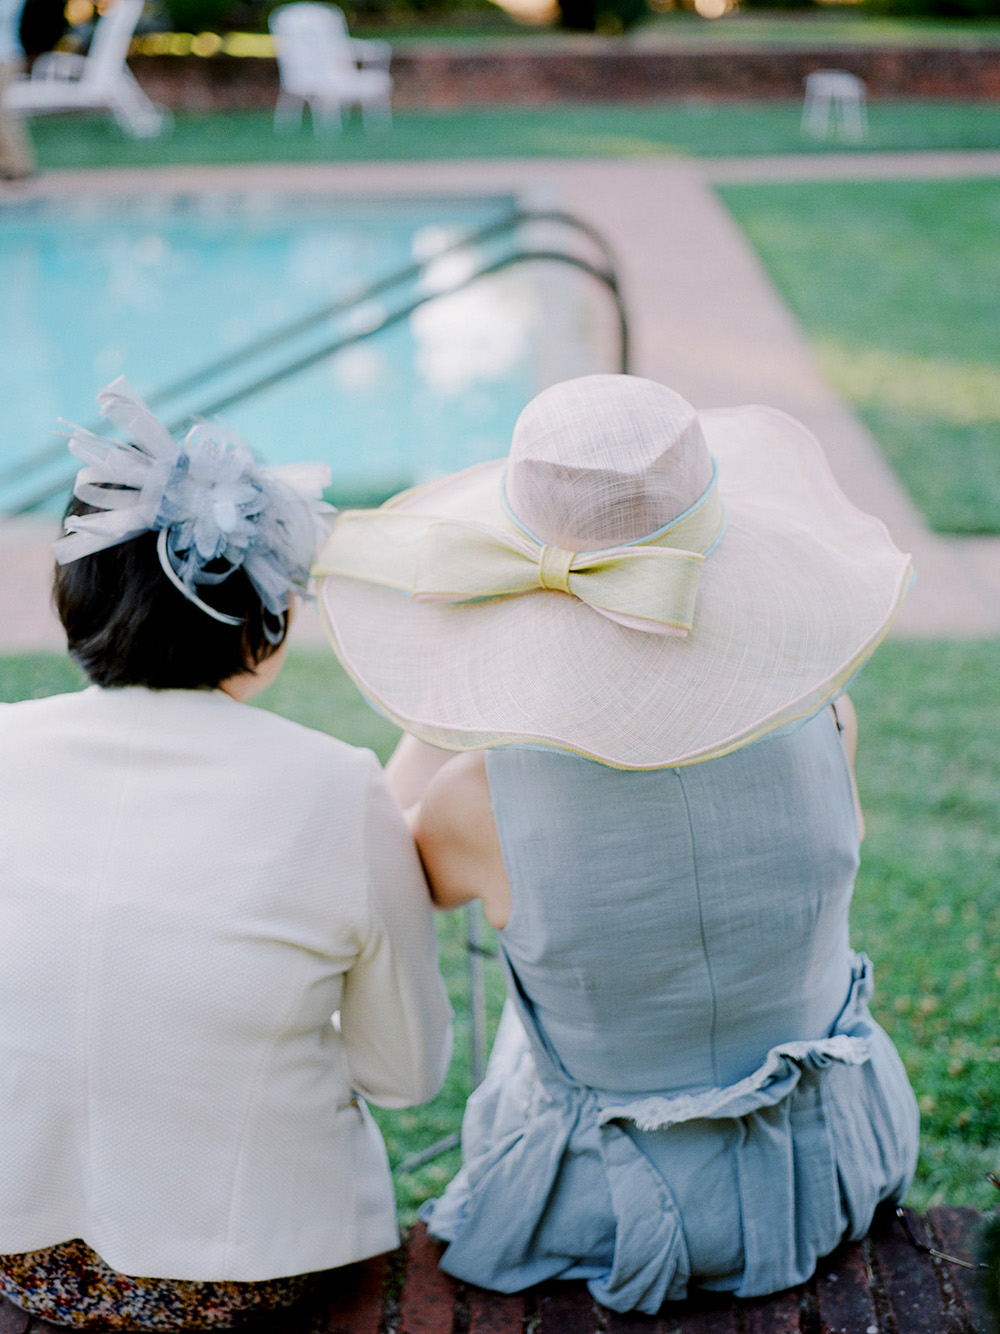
(705, 319)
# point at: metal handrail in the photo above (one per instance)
(380, 287)
(397, 316)
(303, 324)
(303, 363)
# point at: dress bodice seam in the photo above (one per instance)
(713, 1024)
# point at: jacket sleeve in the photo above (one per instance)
(395, 1018)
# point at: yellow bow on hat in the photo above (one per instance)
(649, 586)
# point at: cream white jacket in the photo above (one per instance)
(189, 889)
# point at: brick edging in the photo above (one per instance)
(428, 76)
(882, 1284)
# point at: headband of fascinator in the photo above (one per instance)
(214, 506)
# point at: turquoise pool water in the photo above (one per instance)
(155, 287)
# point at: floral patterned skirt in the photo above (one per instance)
(71, 1285)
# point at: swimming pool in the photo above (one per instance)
(156, 286)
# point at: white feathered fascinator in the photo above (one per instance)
(215, 507)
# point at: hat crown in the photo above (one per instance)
(605, 460)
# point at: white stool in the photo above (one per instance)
(834, 97)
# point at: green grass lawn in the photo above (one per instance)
(898, 285)
(711, 130)
(927, 906)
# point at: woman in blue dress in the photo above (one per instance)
(639, 629)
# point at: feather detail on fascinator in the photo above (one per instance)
(215, 506)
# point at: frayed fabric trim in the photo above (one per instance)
(772, 1081)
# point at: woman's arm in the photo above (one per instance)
(457, 838)
(395, 1018)
(411, 767)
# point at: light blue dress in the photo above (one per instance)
(687, 1088)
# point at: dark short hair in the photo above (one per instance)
(127, 625)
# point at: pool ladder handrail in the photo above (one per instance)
(343, 306)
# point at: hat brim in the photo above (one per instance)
(796, 596)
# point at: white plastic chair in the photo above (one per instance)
(100, 80)
(833, 96)
(322, 66)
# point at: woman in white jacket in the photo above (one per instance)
(215, 937)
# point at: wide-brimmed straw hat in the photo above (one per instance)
(638, 583)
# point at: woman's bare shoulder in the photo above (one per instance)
(456, 800)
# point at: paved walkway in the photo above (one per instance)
(705, 319)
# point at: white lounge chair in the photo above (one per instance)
(98, 81)
(322, 66)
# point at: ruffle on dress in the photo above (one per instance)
(561, 1180)
(772, 1081)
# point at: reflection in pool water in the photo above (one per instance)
(156, 287)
